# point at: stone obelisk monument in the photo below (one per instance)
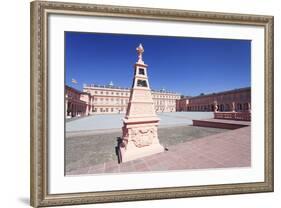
(140, 137)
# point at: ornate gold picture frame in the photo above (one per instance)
(40, 85)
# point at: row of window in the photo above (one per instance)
(117, 99)
(108, 110)
(110, 93)
(73, 95)
(160, 102)
(102, 110)
(221, 107)
(127, 94)
(111, 99)
(165, 96)
(164, 110)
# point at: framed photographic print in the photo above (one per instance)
(143, 103)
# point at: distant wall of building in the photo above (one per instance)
(97, 99)
(76, 102)
(232, 100)
(111, 99)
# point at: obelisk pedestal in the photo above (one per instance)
(140, 136)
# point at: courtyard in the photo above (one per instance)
(91, 145)
(96, 123)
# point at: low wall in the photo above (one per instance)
(220, 125)
(239, 116)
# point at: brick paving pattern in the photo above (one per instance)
(83, 151)
(222, 150)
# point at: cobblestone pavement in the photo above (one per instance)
(221, 150)
(85, 151)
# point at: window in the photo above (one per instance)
(111, 109)
(141, 83)
(141, 71)
(101, 92)
(246, 106)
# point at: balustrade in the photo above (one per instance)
(241, 116)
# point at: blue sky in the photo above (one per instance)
(189, 66)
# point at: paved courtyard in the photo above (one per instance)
(114, 121)
(91, 145)
(223, 150)
(84, 151)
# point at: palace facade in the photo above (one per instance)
(113, 99)
(76, 102)
(237, 100)
(110, 99)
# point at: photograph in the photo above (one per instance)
(142, 103)
(139, 103)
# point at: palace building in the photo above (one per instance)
(113, 99)
(110, 99)
(76, 102)
(237, 100)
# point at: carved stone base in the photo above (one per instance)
(140, 139)
(134, 153)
